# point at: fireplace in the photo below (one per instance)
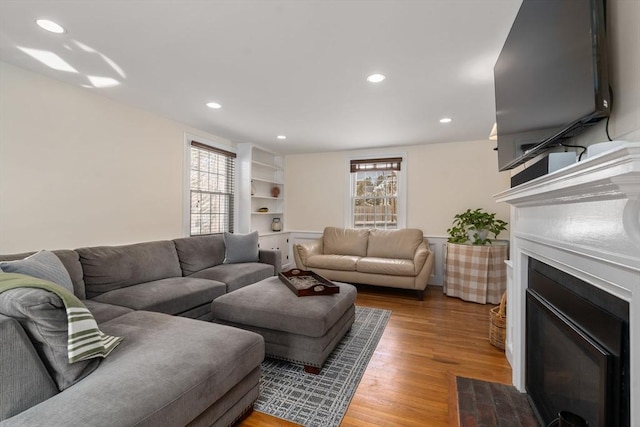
(584, 222)
(577, 349)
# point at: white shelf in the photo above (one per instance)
(265, 165)
(268, 181)
(266, 197)
(260, 171)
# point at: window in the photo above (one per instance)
(212, 189)
(375, 185)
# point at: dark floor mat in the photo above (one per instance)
(482, 403)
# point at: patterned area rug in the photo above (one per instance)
(286, 391)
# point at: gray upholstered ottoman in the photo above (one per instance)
(297, 329)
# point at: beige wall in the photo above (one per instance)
(77, 169)
(447, 178)
(442, 180)
(623, 30)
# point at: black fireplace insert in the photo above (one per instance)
(577, 349)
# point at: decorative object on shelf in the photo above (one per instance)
(275, 191)
(276, 225)
(473, 227)
(253, 188)
(263, 210)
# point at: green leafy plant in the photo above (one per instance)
(473, 226)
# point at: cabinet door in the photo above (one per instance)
(268, 242)
(277, 242)
(284, 248)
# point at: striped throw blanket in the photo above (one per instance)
(86, 341)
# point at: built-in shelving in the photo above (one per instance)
(259, 172)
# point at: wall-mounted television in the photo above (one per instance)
(551, 79)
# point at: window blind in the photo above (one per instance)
(371, 165)
(212, 188)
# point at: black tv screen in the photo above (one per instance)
(551, 77)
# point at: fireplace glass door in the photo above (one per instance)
(567, 370)
(577, 349)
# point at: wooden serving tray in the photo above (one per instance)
(305, 283)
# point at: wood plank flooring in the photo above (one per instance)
(408, 380)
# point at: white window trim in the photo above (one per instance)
(186, 180)
(402, 184)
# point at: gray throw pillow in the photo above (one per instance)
(44, 265)
(240, 248)
(43, 316)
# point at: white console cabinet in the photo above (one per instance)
(278, 242)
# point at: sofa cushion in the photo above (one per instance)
(344, 241)
(199, 252)
(201, 312)
(236, 276)
(241, 248)
(166, 372)
(401, 243)
(43, 316)
(387, 266)
(172, 296)
(333, 262)
(43, 265)
(113, 267)
(104, 312)
(71, 262)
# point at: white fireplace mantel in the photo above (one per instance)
(584, 220)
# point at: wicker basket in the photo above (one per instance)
(498, 325)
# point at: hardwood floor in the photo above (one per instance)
(407, 381)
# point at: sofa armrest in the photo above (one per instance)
(25, 380)
(420, 256)
(272, 257)
(302, 251)
(426, 260)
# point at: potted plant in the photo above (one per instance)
(474, 226)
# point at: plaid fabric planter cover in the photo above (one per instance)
(476, 273)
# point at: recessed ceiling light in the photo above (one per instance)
(214, 105)
(50, 26)
(281, 137)
(376, 78)
(445, 120)
(49, 59)
(98, 81)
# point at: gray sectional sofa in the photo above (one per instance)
(169, 370)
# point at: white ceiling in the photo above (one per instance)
(295, 67)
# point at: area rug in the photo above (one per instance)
(286, 391)
(482, 403)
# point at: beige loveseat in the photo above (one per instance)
(394, 258)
